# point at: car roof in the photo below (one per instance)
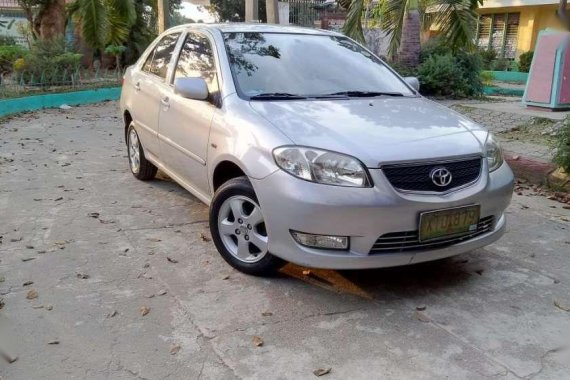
(256, 27)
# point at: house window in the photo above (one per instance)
(499, 32)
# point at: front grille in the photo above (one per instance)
(416, 177)
(407, 241)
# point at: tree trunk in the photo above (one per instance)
(563, 14)
(50, 21)
(409, 50)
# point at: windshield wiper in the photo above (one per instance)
(363, 94)
(276, 96)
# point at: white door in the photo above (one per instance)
(184, 124)
(147, 83)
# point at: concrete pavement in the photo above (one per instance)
(101, 248)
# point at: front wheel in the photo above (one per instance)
(238, 229)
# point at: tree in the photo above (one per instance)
(404, 20)
(233, 10)
(46, 17)
(563, 14)
(103, 22)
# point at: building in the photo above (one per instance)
(13, 21)
(510, 27)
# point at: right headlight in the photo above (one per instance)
(321, 166)
(493, 153)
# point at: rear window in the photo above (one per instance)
(157, 61)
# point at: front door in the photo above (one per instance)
(184, 124)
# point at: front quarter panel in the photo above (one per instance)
(240, 135)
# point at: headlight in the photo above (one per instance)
(321, 166)
(493, 152)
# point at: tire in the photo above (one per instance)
(140, 167)
(241, 239)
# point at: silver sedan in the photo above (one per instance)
(310, 149)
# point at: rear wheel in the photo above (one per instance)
(238, 229)
(140, 166)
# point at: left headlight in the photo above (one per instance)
(321, 166)
(493, 153)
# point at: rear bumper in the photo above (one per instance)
(365, 214)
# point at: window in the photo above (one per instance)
(499, 32)
(157, 61)
(197, 60)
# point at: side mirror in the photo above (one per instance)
(413, 82)
(191, 88)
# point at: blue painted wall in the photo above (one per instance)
(36, 102)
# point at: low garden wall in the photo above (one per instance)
(36, 102)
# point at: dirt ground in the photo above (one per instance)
(106, 277)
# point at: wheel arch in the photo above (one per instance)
(224, 171)
(127, 119)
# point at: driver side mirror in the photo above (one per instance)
(413, 82)
(191, 88)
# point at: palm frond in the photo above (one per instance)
(94, 22)
(393, 21)
(122, 16)
(353, 25)
(457, 22)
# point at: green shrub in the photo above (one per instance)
(562, 155)
(487, 78)
(525, 59)
(457, 75)
(9, 55)
(433, 46)
(48, 63)
(404, 71)
(501, 64)
(488, 56)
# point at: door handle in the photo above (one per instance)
(138, 86)
(165, 101)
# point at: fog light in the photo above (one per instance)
(320, 241)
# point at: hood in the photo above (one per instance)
(376, 131)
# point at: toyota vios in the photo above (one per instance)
(309, 149)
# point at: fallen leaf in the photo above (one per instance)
(29, 246)
(53, 342)
(306, 272)
(58, 199)
(154, 239)
(93, 214)
(83, 276)
(322, 371)
(49, 307)
(257, 341)
(9, 358)
(561, 306)
(27, 283)
(479, 272)
(144, 310)
(28, 259)
(421, 307)
(204, 237)
(112, 314)
(2, 278)
(266, 314)
(2, 303)
(161, 293)
(174, 349)
(422, 317)
(226, 277)
(174, 261)
(32, 294)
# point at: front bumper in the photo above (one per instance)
(365, 214)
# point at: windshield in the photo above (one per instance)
(293, 66)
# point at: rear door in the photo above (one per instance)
(184, 124)
(148, 83)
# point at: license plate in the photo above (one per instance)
(449, 222)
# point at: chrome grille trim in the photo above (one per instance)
(406, 241)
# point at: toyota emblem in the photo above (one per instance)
(440, 176)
